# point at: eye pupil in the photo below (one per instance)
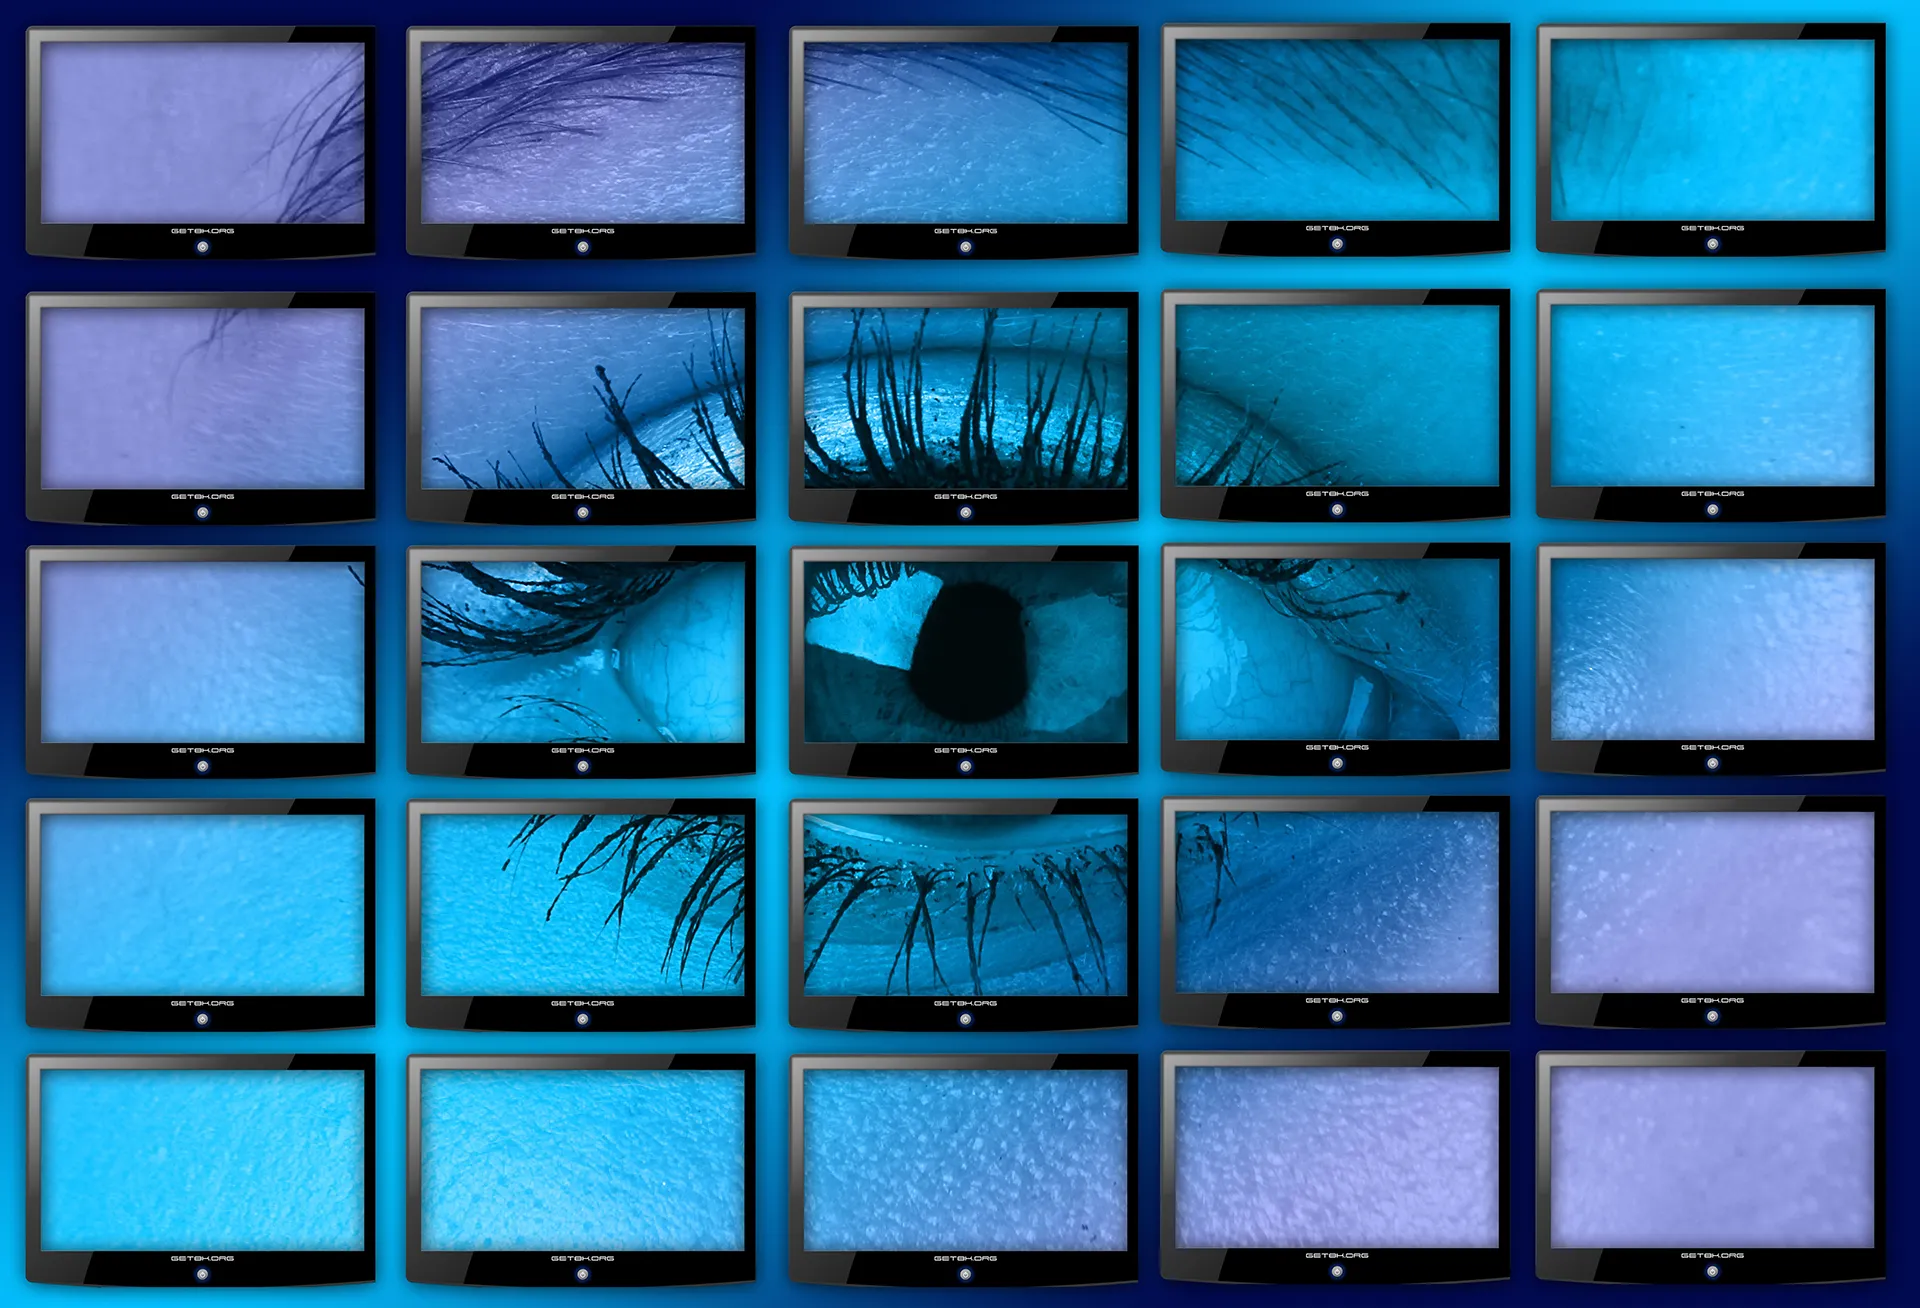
(970, 661)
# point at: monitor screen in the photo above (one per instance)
(196, 142)
(1310, 406)
(609, 408)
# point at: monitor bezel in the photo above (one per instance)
(1336, 758)
(942, 506)
(947, 241)
(1329, 503)
(1004, 760)
(1313, 1266)
(1708, 503)
(182, 1268)
(187, 759)
(957, 1267)
(948, 1011)
(1370, 1010)
(169, 240)
(1727, 756)
(1690, 1010)
(555, 240)
(1722, 235)
(1347, 234)
(554, 506)
(562, 1267)
(1684, 1266)
(622, 761)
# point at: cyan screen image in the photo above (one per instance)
(587, 399)
(1337, 395)
(967, 132)
(586, 904)
(206, 904)
(1712, 129)
(1284, 903)
(966, 398)
(617, 653)
(202, 132)
(990, 1160)
(1336, 649)
(985, 904)
(236, 1161)
(1713, 903)
(1337, 1157)
(235, 399)
(1737, 649)
(209, 652)
(1728, 395)
(572, 132)
(1279, 129)
(596, 1161)
(1712, 1157)
(966, 651)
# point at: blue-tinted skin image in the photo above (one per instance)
(1283, 903)
(202, 132)
(210, 653)
(1334, 130)
(600, 1161)
(1648, 130)
(582, 399)
(985, 904)
(967, 398)
(1727, 395)
(966, 132)
(1713, 903)
(572, 653)
(1712, 1157)
(1336, 649)
(562, 132)
(1736, 649)
(1337, 1157)
(181, 904)
(965, 1160)
(201, 1160)
(229, 399)
(1337, 395)
(966, 651)
(587, 904)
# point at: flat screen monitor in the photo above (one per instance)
(1309, 1168)
(1711, 406)
(992, 662)
(234, 408)
(963, 142)
(1751, 1168)
(610, 1170)
(611, 408)
(187, 1170)
(580, 914)
(899, 412)
(963, 1170)
(215, 663)
(200, 915)
(963, 915)
(1330, 139)
(1738, 912)
(1334, 406)
(580, 142)
(615, 661)
(1714, 660)
(1711, 139)
(199, 142)
(1341, 660)
(1333, 913)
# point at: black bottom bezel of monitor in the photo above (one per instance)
(615, 762)
(222, 241)
(960, 1012)
(949, 506)
(1011, 761)
(1316, 1266)
(1313, 758)
(1711, 504)
(1303, 239)
(202, 762)
(960, 1268)
(581, 508)
(563, 1013)
(1334, 503)
(200, 1012)
(1686, 758)
(529, 1268)
(1699, 1266)
(1732, 239)
(226, 508)
(964, 241)
(1699, 1010)
(1366, 1010)
(562, 240)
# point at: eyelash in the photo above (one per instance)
(1104, 106)
(327, 132)
(578, 601)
